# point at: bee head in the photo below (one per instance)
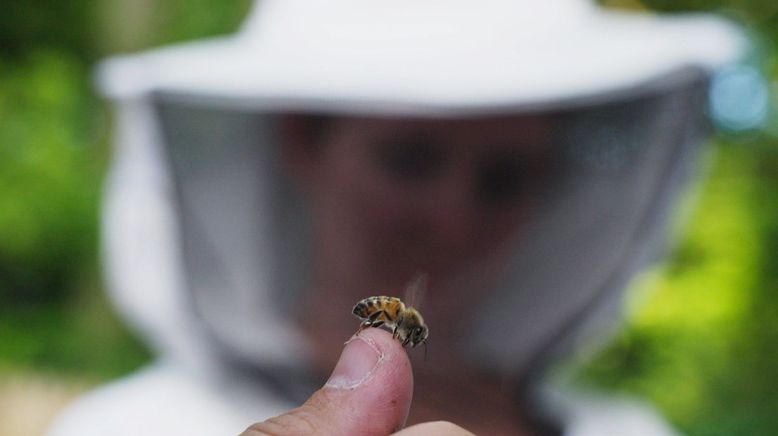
(419, 335)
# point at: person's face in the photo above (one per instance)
(395, 196)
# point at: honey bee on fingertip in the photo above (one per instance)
(404, 321)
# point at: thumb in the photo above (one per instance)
(368, 393)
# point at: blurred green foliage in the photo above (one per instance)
(701, 336)
(29, 25)
(127, 25)
(53, 153)
(49, 176)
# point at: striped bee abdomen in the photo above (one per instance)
(370, 305)
(360, 309)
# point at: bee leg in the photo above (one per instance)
(373, 318)
(407, 341)
(395, 333)
(371, 321)
(365, 324)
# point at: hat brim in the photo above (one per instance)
(609, 54)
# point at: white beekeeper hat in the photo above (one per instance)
(427, 56)
(201, 235)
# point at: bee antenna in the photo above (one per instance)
(425, 349)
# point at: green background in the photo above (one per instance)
(702, 328)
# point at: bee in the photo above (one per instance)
(405, 322)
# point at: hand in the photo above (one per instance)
(368, 393)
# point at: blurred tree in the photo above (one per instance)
(130, 25)
(53, 150)
(26, 25)
(701, 338)
(48, 177)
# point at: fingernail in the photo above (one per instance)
(357, 364)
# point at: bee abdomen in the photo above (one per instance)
(360, 309)
(364, 308)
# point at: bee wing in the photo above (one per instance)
(415, 290)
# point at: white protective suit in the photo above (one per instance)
(207, 244)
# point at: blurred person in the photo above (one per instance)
(525, 156)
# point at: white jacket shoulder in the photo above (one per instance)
(158, 400)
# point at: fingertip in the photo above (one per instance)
(369, 392)
(382, 340)
(396, 365)
(379, 395)
(392, 369)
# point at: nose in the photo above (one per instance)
(453, 210)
